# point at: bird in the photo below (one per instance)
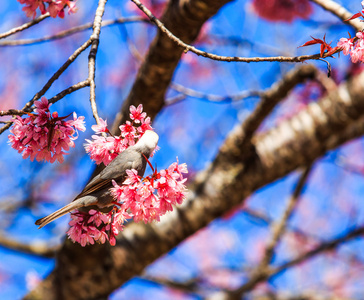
(96, 194)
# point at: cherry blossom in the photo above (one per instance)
(353, 47)
(102, 127)
(44, 136)
(54, 7)
(137, 114)
(346, 45)
(103, 149)
(95, 226)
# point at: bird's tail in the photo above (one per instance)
(59, 213)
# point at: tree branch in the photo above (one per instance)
(71, 31)
(186, 47)
(24, 26)
(92, 56)
(212, 98)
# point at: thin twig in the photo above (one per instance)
(12, 112)
(340, 12)
(132, 48)
(213, 98)
(92, 56)
(24, 26)
(193, 49)
(71, 31)
(176, 99)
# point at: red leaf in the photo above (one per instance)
(354, 17)
(312, 42)
(322, 50)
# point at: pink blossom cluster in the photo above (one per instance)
(54, 7)
(103, 149)
(353, 46)
(142, 199)
(44, 136)
(152, 197)
(95, 226)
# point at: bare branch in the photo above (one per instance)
(71, 31)
(212, 98)
(193, 49)
(92, 56)
(56, 75)
(24, 26)
(12, 112)
(190, 92)
(175, 99)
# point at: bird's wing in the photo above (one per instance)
(115, 170)
(96, 184)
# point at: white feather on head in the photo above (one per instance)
(148, 140)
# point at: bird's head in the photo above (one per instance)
(147, 142)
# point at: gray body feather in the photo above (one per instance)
(96, 194)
